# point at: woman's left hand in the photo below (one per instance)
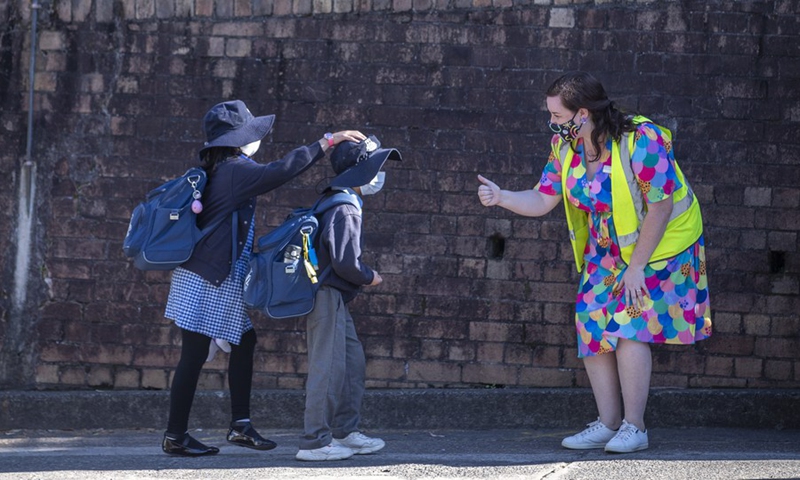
(634, 287)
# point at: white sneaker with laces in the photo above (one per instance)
(360, 444)
(595, 435)
(628, 439)
(331, 451)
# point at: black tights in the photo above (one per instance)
(194, 351)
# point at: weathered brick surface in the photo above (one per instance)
(458, 87)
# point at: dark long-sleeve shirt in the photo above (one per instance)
(339, 245)
(234, 185)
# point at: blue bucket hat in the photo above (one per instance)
(230, 124)
(357, 163)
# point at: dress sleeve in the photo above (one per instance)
(653, 164)
(550, 183)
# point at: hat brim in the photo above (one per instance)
(365, 171)
(252, 131)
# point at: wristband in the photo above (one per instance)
(329, 137)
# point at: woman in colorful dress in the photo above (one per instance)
(637, 237)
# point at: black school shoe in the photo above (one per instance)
(244, 435)
(185, 445)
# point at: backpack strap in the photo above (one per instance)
(234, 234)
(324, 203)
(234, 239)
(343, 197)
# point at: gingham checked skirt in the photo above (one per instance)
(217, 312)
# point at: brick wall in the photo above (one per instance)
(472, 296)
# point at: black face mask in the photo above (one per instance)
(567, 130)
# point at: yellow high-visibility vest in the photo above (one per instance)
(629, 208)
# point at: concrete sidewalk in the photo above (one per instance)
(675, 453)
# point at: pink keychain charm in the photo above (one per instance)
(197, 205)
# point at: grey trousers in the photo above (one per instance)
(336, 369)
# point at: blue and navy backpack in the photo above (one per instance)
(163, 229)
(284, 276)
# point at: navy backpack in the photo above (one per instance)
(284, 278)
(163, 229)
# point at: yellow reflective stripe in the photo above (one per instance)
(681, 206)
(625, 149)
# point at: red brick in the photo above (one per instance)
(61, 311)
(434, 372)
(754, 324)
(77, 331)
(385, 369)
(490, 352)
(719, 366)
(785, 326)
(731, 344)
(717, 382)
(50, 331)
(545, 377)
(100, 376)
(666, 380)
(490, 374)
(60, 353)
(207, 381)
(546, 356)
(47, 374)
(690, 362)
(127, 378)
(277, 363)
(725, 322)
(748, 367)
(432, 350)
(376, 346)
(516, 353)
(559, 313)
(292, 383)
(405, 347)
(463, 350)
(495, 332)
(778, 369)
(73, 376)
(776, 347)
(549, 334)
(153, 357)
(440, 329)
(527, 270)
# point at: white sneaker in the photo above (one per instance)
(360, 444)
(596, 435)
(328, 452)
(628, 439)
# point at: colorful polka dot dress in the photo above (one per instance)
(677, 310)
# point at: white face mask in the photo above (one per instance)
(251, 148)
(375, 185)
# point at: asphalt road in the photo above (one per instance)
(693, 453)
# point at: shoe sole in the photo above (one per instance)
(262, 448)
(362, 450)
(583, 447)
(366, 451)
(321, 459)
(637, 449)
(189, 455)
